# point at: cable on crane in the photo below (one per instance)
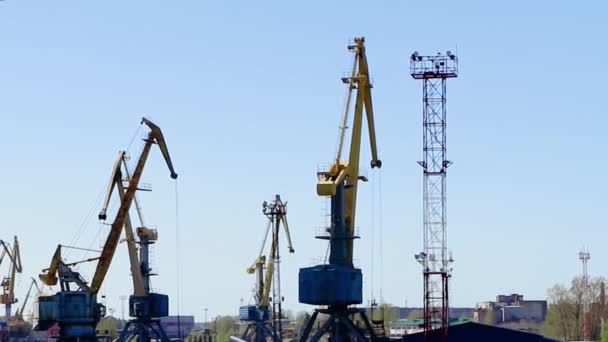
(95, 204)
(86, 221)
(373, 229)
(381, 231)
(134, 136)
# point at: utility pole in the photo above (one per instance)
(205, 323)
(435, 259)
(584, 258)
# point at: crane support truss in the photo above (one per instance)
(435, 258)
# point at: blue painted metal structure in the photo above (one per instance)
(76, 311)
(336, 285)
(147, 308)
(259, 321)
(147, 311)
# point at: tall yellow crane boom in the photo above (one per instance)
(116, 180)
(155, 136)
(348, 171)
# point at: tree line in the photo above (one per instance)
(565, 313)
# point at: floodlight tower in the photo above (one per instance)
(584, 258)
(435, 258)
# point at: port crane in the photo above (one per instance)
(18, 327)
(260, 327)
(75, 309)
(338, 284)
(19, 312)
(8, 282)
(144, 306)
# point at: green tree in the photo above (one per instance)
(385, 312)
(490, 317)
(604, 332)
(391, 313)
(564, 318)
(225, 327)
(415, 314)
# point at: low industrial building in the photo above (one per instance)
(509, 309)
(405, 326)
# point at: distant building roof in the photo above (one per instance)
(471, 331)
(407, 323)
(413, 323)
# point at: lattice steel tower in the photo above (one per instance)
(435, 257)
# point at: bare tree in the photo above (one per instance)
(566, 309)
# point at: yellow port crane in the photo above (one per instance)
(346, 172)
(19, 312)
(258, 316)
(145, 307)
(338, 284)
(18, 328)
(8, 282)
(78, 319)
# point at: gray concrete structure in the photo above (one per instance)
(510, 309)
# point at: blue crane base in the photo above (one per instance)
(76, 312)
(337, 287)
(259, 332)
(146, 325)
(330, 285)
(143, 331)
(340, 326)
(259, 327)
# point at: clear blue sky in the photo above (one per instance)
(249, 97)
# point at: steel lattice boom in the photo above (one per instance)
(435, 258)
